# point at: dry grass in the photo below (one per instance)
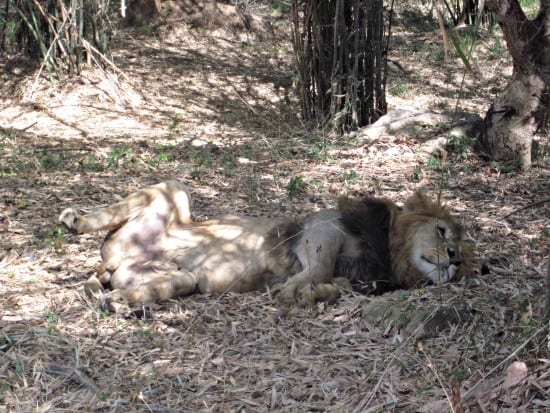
(216, 111)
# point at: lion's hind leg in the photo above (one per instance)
(169, 198)
(139, 283)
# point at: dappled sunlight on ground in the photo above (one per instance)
(216, 110)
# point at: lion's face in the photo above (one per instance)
(427, 244)
(436, 250)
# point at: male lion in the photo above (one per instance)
(155, 251)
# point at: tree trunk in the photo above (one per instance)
(522, 109)
(142, 11)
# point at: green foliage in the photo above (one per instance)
(19, 367)
(4, 387)
(433, 163)
(163, 155)
(315, 183)
(461, 374)
(120, 155)
(56, 239)
(541, 150)
(296, 186)
(102, 313)
(51, 317)
(460, 145)
(436, 54)
(177, 122)
(530, 7)
(525, 310)
(201, 157)
(228, 161)
(318, 149)
(281, 7)
(350, 176)
(7, 140)
(463, 47)
(417, 174)
(467, 38)
(10, 30)
(52, 161)
(92, 163)
(498, 48)
(6, 136)
(400, 89)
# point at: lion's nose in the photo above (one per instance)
(453, 258)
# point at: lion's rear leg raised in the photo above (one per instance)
(169, 199)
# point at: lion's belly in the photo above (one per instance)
(226, 254)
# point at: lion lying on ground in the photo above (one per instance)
(155, 251)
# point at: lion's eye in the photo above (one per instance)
(441, 232)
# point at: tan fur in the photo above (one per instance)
(154, 251)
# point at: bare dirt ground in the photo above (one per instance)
(213, 107)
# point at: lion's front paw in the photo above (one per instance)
(302, 294)
(115, 302)
(93, 287)
(306, 295)
(286, 293)
(328, 293)
(69, 219)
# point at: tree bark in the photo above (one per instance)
(522, 109)
(142, 11)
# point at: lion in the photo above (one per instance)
(155, 251)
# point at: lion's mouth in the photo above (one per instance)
(447, 264)
(444, 270)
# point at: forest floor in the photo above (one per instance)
(213, 106)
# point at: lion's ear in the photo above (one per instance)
(419, 202)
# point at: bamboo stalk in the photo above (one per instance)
(55, 30)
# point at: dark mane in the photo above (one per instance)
(368, 219)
